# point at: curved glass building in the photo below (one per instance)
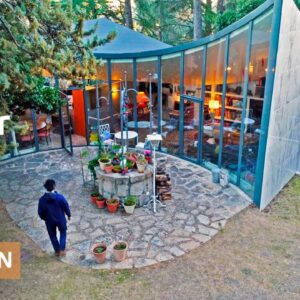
(216, 101)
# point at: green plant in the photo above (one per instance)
(91, 166)
(3, 147)
(84, 153)
(112, 201)
(129, 164)
(100, 198)
(104, 156)
(141, 160)
(21, 129)
(99, 249)
(115, 148)
(130, 201)
(117, 169)
(95, 194)
(120, 246)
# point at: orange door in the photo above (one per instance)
(79, 113)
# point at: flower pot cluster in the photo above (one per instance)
(98, 199)
(112, 161)
(101, 202)
(99, 251)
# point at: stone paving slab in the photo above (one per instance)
(196, 212)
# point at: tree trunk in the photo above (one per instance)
(220, 6)
(128, 14)
(197, 19)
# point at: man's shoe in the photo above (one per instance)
(62, 253)
(57, 254)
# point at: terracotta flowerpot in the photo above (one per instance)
(108, 169)
(141, 167)
(112, 207)
(102, 163)
(100, 257)
(101, 203)
(120, 254)
(93, 199)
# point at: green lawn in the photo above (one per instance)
(256, 256)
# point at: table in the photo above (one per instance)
(131, 135)
(145, 124)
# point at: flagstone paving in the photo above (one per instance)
(195, 214)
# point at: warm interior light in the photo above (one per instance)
(228, 68)
(214, 104)
(251, 68)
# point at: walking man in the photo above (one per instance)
(52, 209)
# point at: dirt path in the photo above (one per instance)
(256, 257)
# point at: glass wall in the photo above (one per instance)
(192, 86)
(212, 102)
(146, 73)
(234, 100)
(119, 70)
(193, 71)
(170, 98)
(255, 100)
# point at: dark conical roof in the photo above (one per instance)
(126, 41)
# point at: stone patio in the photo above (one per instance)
(197, 211)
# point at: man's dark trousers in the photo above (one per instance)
(61, 245)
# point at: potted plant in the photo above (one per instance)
(116, 161)
(117, 169)
(103, 160)
(100, 202)
(94, 196)
(129, 204)
(120, 251)
(131, 157)
(112, 205)
(116, 148)
(125, 170)
(130, 164)
(141, 164)
(108, 168)
(99, 252)
(148, 156)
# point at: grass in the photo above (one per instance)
(256, 257)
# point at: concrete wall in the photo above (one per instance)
(283, 144)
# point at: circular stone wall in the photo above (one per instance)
(120, 186)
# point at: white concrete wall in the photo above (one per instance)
(283, 144)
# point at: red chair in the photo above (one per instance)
(27, 138)
(45, 133)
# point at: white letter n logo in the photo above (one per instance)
(2, 119)
(7, 260)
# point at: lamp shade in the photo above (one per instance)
(154, 139)
(214, 104)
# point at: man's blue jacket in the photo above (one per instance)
(52, 209)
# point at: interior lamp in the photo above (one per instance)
(214, 104)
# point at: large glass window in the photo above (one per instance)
(170, 97)
(255, 100)
(234, 100)
(146, 73)
(192, 87)
(193, 72)
(212, 102)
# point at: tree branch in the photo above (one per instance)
(13, 37)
